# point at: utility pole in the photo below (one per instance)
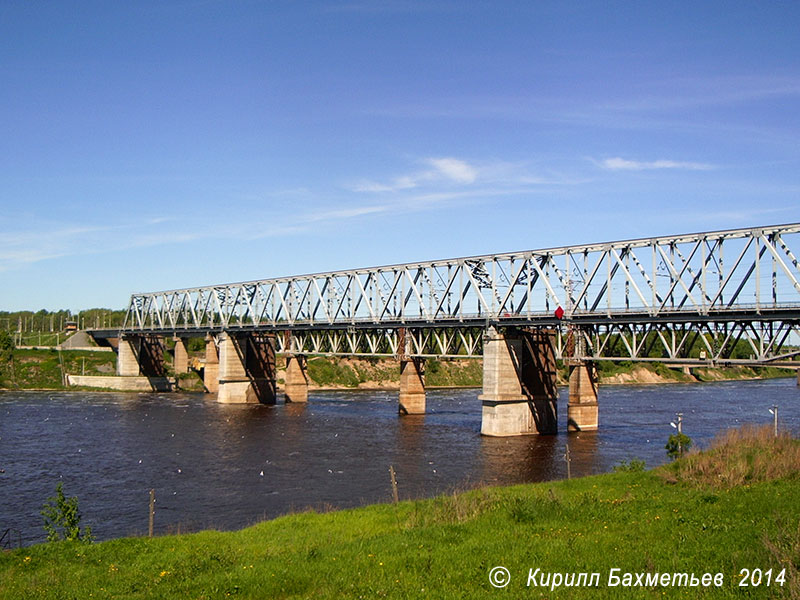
(152, 512)
(679, 427)
(774, 411)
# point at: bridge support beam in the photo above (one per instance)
(412, 386)
(211, 366)
(296, 386)
(519, 383)
(180, 360)
(246, 369)
(582, 409)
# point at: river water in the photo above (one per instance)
(228, 466)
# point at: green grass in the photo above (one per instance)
(351, 372)
(42, 339)
(328, 371)
(454, 373)
(41, 369)
(445, 547)
(742, 373)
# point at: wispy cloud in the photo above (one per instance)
(24, 247)
(454, 169)
(623, 164)
(680, 104)
(450, 173)
(438, 171)
(437, 183)
(18, 248)
(691, 92)
(346, 213)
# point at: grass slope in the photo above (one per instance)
(42, 369)
(674, 519)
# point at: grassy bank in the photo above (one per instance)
(43, 368)
(680, 518)
(382, 372)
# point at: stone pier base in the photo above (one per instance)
(582, 409)
(140, 355)
(296, 386)
(519, 383)
(127, 357)
(246, 369)
(211, 367)
(181, 357)
(412, 386)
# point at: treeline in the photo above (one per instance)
(694, 346)
(44, 321)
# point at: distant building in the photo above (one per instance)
(71, 326)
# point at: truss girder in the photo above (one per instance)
(646, 281)
(757, 342)
(761, 342)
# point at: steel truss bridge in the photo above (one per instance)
(713, 298)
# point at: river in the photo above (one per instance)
(228, 466)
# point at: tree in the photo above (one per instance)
(62, 519)
(6, 357)
(677, 444)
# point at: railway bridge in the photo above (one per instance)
(718, 298)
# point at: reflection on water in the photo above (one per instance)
(227, 466)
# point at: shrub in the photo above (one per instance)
(634, 466)
(62, 518)
(677, 445)
(738, 457)
(6, 357)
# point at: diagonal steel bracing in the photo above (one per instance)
(645, 299)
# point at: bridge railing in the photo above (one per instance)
(753, 271)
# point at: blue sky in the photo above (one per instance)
(158, 145)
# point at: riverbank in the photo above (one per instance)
(45, 369)
(732, 508)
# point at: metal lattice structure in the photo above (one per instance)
(650, 298)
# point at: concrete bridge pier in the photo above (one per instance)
(582, 409)
(128, 356)
(180, 359)
(412, 386)
(211, 366)
(296, 386)
(140, 355)
(519, 383)
(246, 368)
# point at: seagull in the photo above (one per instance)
(262, 473)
